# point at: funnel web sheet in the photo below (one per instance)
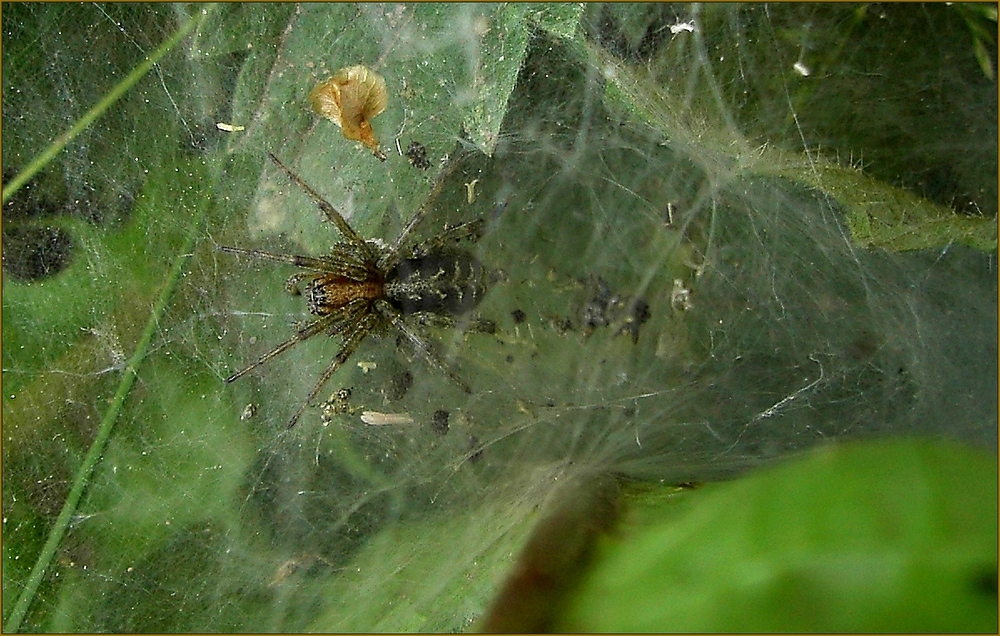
(717, 235)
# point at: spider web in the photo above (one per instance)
(724, 234)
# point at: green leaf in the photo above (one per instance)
(561, 19)
(880, 213)
(983, 57)
(885, 536)
(505, 40)
(882, 216)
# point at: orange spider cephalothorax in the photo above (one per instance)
(329, 292)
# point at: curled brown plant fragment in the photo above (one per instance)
(350, 99)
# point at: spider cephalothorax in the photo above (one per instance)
(361, 287)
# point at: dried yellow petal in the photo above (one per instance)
(350, 99)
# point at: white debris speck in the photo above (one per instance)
(681, 27)
(374, 418)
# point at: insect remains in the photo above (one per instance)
(362, 287)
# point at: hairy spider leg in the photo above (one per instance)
(354, 271)
(364, 324)
(472, 230)
(306, 331)
(397, 321)
(391, 254)
(331, 212)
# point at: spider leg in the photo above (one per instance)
(397, 321)
(341, 263)
(306, 331)
(305, 262)
(471, 230)
(292, 284)
(362, 327)
(390, 254)
(331, 212)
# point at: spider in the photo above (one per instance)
(362, 287)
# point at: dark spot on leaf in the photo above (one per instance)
(439, 422)
(34, 253)
(399, 385)
(984, 582)
(417, 154)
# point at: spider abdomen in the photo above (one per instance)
(327, 293)
(446, 283)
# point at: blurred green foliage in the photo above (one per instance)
(876, 537)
